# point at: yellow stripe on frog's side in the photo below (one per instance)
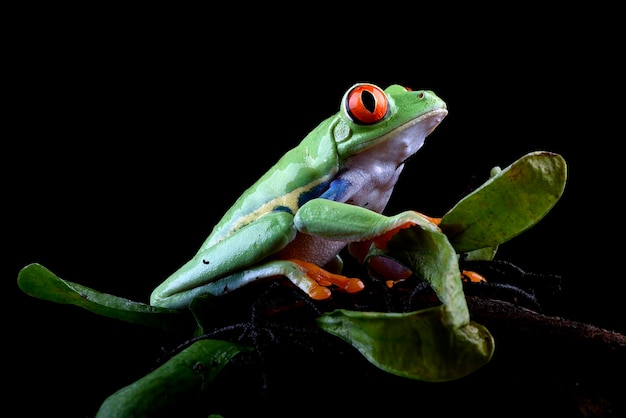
(289, 201)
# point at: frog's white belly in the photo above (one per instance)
(370, 188)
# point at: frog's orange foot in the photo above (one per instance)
(472, 277)
(322, 278)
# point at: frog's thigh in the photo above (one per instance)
(245, 247)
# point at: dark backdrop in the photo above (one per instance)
(128, 143)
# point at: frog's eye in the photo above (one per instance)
(366, 104)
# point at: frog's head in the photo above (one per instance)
(370, 116)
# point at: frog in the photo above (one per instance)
(325, 194)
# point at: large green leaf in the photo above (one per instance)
(182, 379)
(511, 201)
(416, 345)
(38, 281)
(433, 344)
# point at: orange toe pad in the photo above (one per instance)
(325, 278)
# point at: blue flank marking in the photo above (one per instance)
(336, 189)
(311, 194)
(283, 209)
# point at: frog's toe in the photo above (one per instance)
(318, 292)
(472, 277)
(353, 285)
(318, 279)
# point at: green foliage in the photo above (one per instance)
(441, 343)
(417, 345)
(185, 377)
(511, 201)
(434, 344)
(36, 280)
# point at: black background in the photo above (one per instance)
(128, 137)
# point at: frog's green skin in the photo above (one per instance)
(325, 193)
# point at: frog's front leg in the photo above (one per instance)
(349, 223)
(360, 227)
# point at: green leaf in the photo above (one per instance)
(487, 253)
(182, 379)
(416, 345)
(434, 344)
(510, 202)
(37, 281)
(204, 309)
(429, 255)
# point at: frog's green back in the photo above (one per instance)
(301, 172)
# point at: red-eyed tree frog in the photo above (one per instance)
(326, 193)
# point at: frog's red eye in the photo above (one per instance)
(366, 104)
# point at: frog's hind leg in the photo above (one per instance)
(310, 278)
